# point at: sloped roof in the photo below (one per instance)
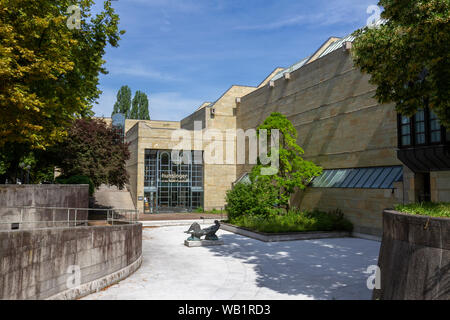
(332, 44)
(329, 46)
(336, 45)
(205, 104)
(292, 68)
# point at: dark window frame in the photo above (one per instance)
(413, 134)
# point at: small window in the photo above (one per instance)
(234, 112)
(435, 128)
(405, 130)
(420, 127)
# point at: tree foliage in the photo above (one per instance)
(408, 56)
(294, 172)
(40, 164)
(123, 103)
(49, 72)
(256, 198)
(94, 149)
(77, 180)
(139, 110)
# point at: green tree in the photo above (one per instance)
(94, 149)
(408, 56)
(123, 103)
(49, 72)
(143, 107)
(139, 109)
(294, 172)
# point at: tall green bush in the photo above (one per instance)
(294, 173)
(251, 199)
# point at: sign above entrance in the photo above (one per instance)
(174, 177)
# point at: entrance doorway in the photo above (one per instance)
(171, 186)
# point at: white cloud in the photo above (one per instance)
(137, 69)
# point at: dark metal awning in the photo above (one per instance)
(425, 159)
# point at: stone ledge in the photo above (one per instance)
(98, 284)
(269, 237)
(174, 223)
(203, 243)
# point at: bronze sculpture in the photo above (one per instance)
(197, 232)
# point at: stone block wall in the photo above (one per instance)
(34, 264)
(339, 124)
(440, 186)
(363, 207)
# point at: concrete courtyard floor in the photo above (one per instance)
(247, 269)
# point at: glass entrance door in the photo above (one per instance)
(171, 186)
(149, 202)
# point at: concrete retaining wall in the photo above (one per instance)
(44, 195)
(269, 237)
(414, 258)
(35, 264)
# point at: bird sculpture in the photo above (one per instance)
(197, 232)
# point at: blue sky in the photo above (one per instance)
(184, 52)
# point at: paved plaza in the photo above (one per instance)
(247, 269)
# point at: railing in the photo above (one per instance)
(13, 218)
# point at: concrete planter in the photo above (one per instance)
(291, 236)
(414, 258)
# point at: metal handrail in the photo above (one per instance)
(112, 215)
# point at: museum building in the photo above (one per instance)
(372, 157)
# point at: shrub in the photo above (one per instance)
(250, 199)
(199, 210)
(426, 209)
(295, 221)
(77, 180)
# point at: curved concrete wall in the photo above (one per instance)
(38, 196)
(38, 264)
(414, 258)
